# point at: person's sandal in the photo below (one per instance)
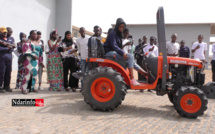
(67, 89)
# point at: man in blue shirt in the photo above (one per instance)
(6, 49)
(184, 50)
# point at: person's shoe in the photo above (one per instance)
(81, 91)
(73, 89)
(35, 91)
(141, 91)
(8, 89)
(134, 82)
(2, 90)
(40, 88)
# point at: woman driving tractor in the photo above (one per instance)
(113, 47)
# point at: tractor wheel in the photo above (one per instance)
(190, 102)
(103, 89)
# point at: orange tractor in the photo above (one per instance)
(104, 86)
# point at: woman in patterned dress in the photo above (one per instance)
(32, 53)
(20, 73)
(54, 66)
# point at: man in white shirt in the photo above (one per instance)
(151, 48)
(199, 48)
(213, 62)
(172, 46)
(82, 42)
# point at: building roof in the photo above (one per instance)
(152, 24)
(87, 32)
(206, 23)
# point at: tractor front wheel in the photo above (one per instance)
(103, 89)
(190, 102)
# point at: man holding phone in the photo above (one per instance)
(151, 48)
(199, 48)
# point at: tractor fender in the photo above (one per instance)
(109, 63)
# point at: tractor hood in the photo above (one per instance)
(184, 61)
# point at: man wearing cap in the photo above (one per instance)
(6, 49)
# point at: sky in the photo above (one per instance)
(88, 13)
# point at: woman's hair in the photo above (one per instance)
(32, 31)
(54, 31)
(21, 35)
(67, 32)
(39, 33)
(119, 21)
(68, 42)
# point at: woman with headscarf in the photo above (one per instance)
(21, 58)
(54, 65)
(69, 61)
(32, 53)
(113, 46)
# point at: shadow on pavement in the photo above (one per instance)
(74, 105)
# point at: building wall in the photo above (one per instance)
(42, 15)
(26, 15)
(187, 32)
(63, 16)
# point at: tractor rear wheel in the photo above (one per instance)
(103, 89)
(190, 102)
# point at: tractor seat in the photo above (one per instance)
(151, 63)
(123, 63)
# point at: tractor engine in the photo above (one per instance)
(180, 76)
(183, 75)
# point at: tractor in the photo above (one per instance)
(104, 86)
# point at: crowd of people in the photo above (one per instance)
(64, 55)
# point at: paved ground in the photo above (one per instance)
(67, 113)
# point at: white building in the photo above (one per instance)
(42, 15)
(186, 31)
